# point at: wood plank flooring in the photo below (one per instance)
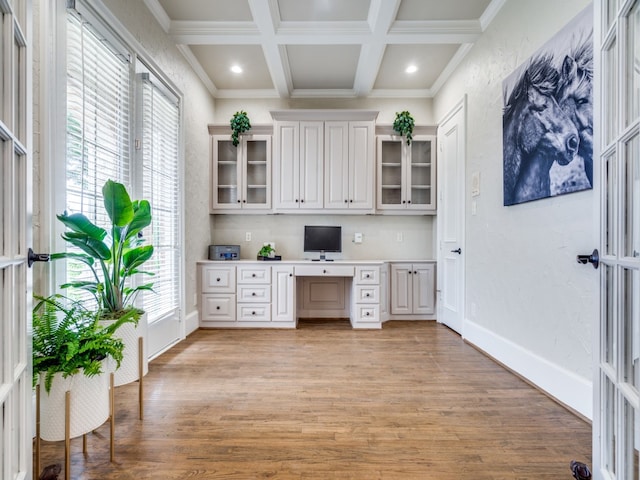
(410, 401)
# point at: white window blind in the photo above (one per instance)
(160, 145)
(98, 113)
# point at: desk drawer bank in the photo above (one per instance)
(250, 294)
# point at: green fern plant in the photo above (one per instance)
(239, 124)
(68, 338)
(403, 124)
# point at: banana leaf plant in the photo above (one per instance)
(113, 255)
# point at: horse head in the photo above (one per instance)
(575, 97)
(537, 132)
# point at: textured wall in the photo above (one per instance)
(522, 281)
(198, 109)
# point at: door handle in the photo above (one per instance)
(36, 257)
(593, 259)
(457, 250)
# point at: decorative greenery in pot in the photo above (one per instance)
(403, 124)
(239, 124)
(68, 338)
(113, 255)
(267, 251)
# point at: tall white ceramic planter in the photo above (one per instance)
(89, 405)
(134, 351)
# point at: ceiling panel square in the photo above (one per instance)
(217, 60)
(441, 10)
(323, 10)
(207, 10)
(430, 60)
(323, 66)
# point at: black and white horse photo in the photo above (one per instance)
(548, 118)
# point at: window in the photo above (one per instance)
(160, 153)
(102, 111)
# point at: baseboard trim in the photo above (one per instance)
(569, 389)
(191, 322)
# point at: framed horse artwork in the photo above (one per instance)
(547, 118)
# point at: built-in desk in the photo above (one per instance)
(274, 294)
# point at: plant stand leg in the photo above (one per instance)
(67, 435)
(141, 376)
(112, 408)
(37, 447)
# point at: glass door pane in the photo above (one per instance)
(631, 328)
(420, 172)
(631, 206)
(633, 63)
(610, 92)
(391, 172)
(227, 170)
(256, 168)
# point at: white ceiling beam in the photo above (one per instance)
(264, 13)
(160, 15)
(381, 16)
(195, 64)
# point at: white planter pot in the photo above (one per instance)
(89, 404)
(130, 335)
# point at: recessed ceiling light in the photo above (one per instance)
(411, 69)
(236, 69)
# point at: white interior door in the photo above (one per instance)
(616, 423)
(15, 236)
(451, 181)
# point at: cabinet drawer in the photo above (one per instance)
(253, 274)
(367, 313)
(367, 294)
(367, 275)
(254, 312)
(218, 308)
(219, 279)
(324, 270)
(254, 293)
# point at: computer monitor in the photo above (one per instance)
(322, 238)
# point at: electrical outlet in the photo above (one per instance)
(247, 237)
(357, 238)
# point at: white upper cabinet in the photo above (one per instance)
(406, 174)
(240, 175)
(324, 161)
(349, 166)
(298, 170)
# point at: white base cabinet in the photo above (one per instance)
(413, 290)
(275, 294)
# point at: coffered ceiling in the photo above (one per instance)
(324, 48)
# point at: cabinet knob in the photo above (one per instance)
(244, 201)
(253, 313)
(351, 201)
(404, 201)
(367, 276)
(408, 201)
(368, 295)
(218, 307)
(291, 274)
(296, 200)
(217, 279)
(410, 272)
(366, 314)
(345, 200)
(253, 275)
(253, 294)
(238, 200)
(324, 271)
(415, 273)
(302, 200)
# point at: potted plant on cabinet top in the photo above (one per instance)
(71, 349)
(239, 124)
(113, 256)
(403, 124)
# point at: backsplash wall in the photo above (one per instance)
(381, 235)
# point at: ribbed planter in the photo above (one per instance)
(89, 404)
(130, 334)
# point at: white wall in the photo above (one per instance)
(528, 302)
(198, 111)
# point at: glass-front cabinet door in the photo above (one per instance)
(240, 175)
(406, 174)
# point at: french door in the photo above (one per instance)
(616, 425)
(15, 236)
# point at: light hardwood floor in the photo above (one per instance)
(410, 401)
